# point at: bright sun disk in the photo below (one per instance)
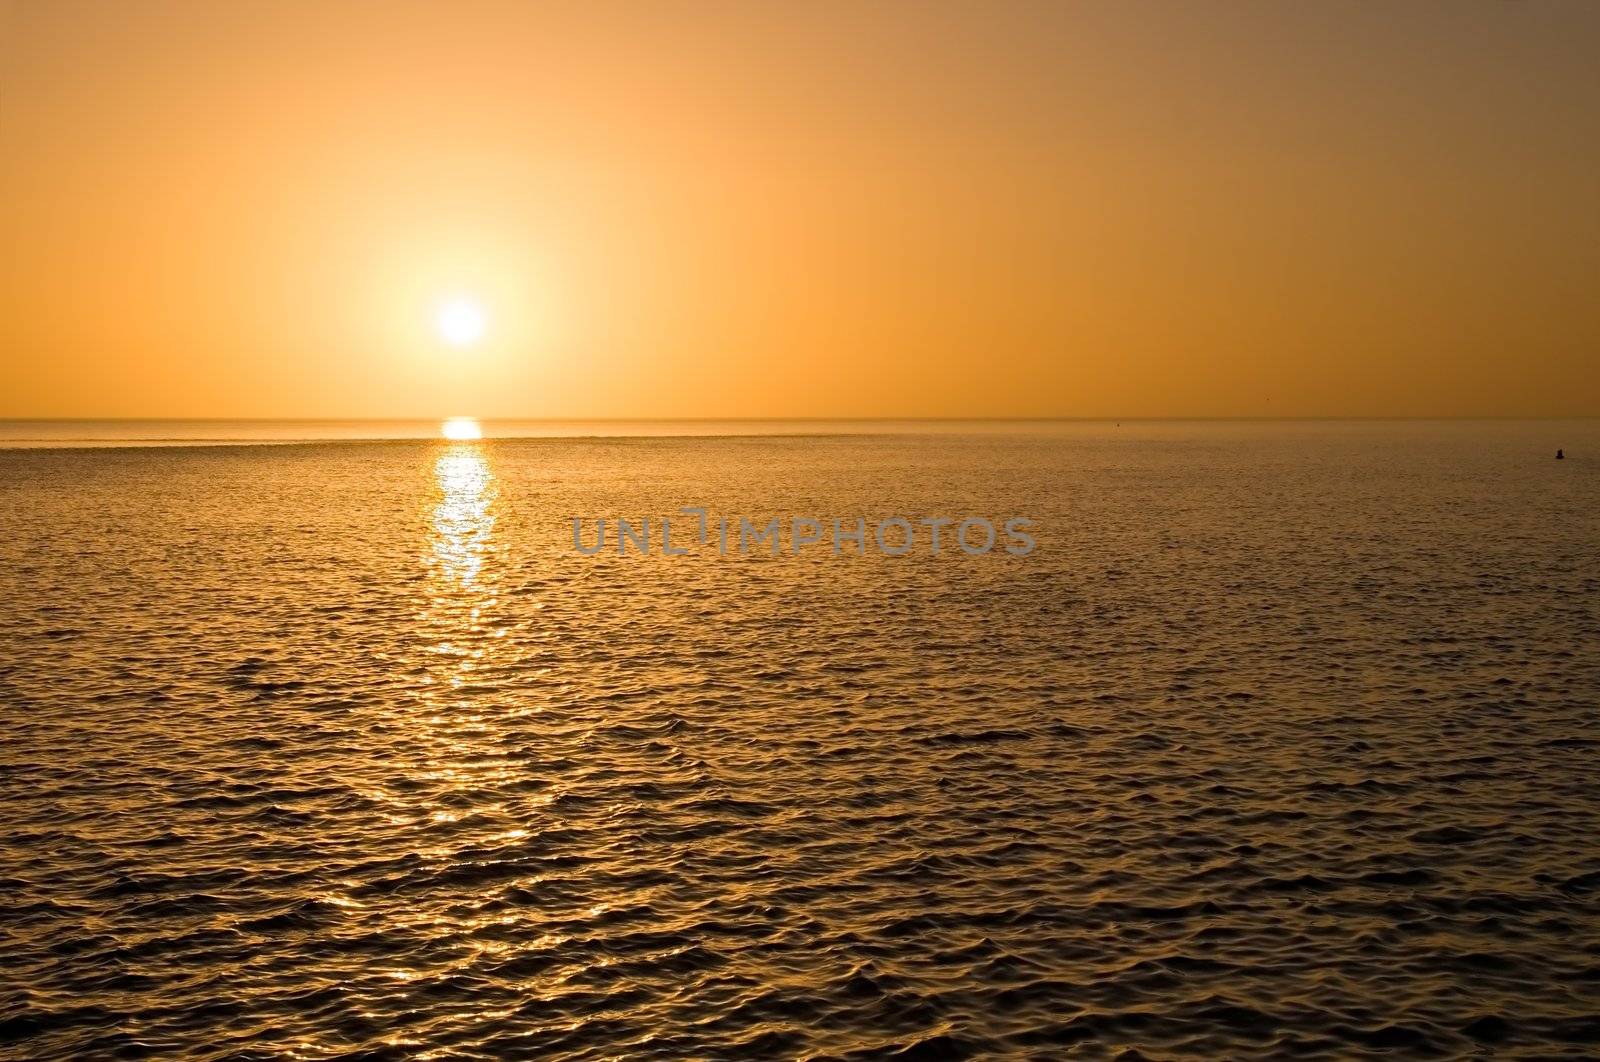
(461, 321)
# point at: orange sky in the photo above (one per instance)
(818, 209)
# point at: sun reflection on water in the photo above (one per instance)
(460, 627)
(463, 517)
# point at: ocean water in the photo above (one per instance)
(1283, 741)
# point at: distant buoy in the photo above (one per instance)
(1560, 456)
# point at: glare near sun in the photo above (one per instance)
(461, 429)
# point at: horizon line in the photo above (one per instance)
(1003, 419)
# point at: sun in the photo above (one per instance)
(461, 321)
(461, 429)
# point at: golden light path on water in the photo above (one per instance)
(461, 609)
(461, 626)
(463, 517)
(459, 776)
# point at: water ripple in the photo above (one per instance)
(1276, 746)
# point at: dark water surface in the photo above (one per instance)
(1284, 741)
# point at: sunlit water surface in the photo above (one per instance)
(1284, 740)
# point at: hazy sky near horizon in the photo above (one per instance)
(826, 209)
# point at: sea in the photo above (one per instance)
(324, 742)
